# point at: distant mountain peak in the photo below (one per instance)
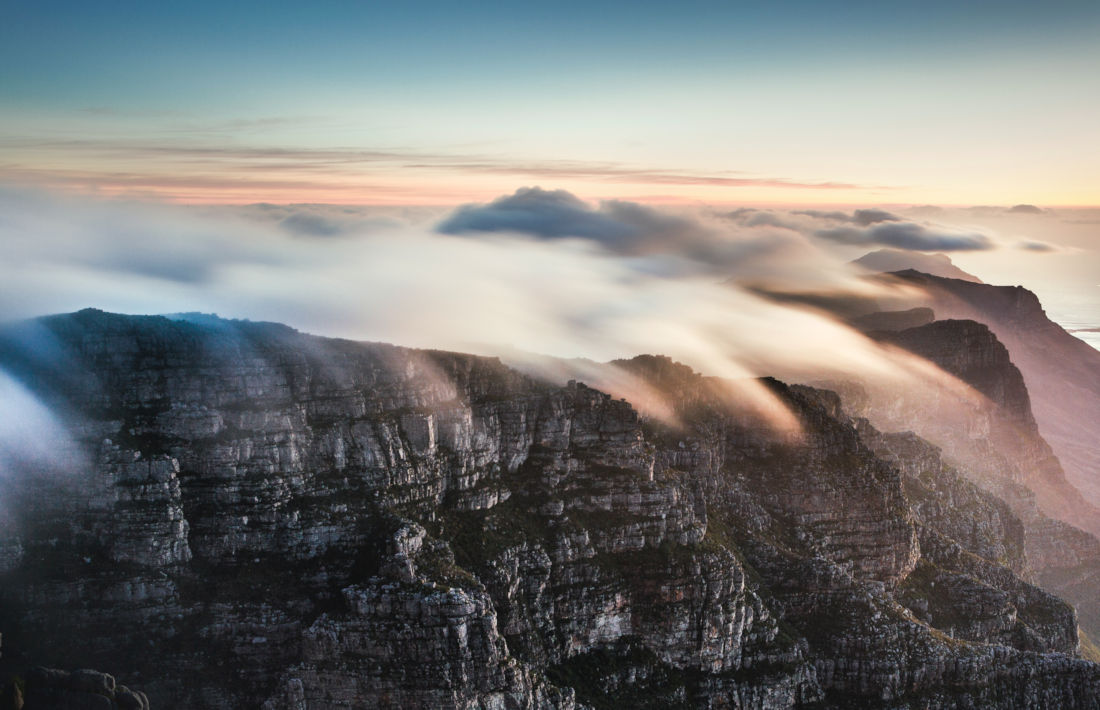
(885, 260)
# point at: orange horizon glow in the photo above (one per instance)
(239, 189)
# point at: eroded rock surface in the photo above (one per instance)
(259, 518)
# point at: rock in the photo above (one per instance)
(298, 522)
(53, 689)
(11, 697)
(1006, 454)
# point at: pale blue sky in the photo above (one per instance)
(856, 102)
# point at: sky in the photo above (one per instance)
(441, 103)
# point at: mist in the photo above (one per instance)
(401, 280)
(634, 280)
(33, 444)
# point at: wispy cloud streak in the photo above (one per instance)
(183, 169)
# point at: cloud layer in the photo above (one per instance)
(537, 271)
(908, 235)
(863, 217)
(867, 228)
(656, 240)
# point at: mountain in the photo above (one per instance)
(994, 441)
(248, 516)
(1010, 446)
(888, 260)
(1062, 373)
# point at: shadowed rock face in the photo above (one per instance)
(268, 519)
(1062, 373)
(52, 689)
(1008, 456)
(971, 352)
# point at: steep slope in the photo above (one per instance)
(830, 603)
(294, 521)
(1062, 372)
(996, 442)
(1010, 448)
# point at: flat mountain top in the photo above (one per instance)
(885, 260)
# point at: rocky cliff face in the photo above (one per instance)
(999, 445)
(999, 442)
(251, 517)
(1061, 372)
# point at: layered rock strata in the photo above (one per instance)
(252, 517)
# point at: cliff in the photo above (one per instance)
(253, 517)
(996, 442)
(1062, 373)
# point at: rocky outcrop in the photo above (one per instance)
(54, 689)
(945, 501)
(1062, 373)
(819, 597)
(49, 689)
(998, 444)
(970, 351)
(253, 517)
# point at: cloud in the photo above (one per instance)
(310, 225)
(200, 167)
(619, 173)
(767, 219)
(908, 235)
(125, 239)
(821, 214)
(329, 220)
(866, 217)
(549, 214)
(1025, 209)
(33, 443)
(926, 210)
(862, 217)
(23, 421)
(738, 213)
(751, 217)
(1036, 246)
(638, 279)
(764, 247)
(620, 227)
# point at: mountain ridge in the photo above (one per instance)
(1061, 371)
(436, 528)
(892, 260)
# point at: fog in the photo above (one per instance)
(538, 272)
(32, 443)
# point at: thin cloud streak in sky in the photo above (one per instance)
(1034, 245)
(209, 172)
